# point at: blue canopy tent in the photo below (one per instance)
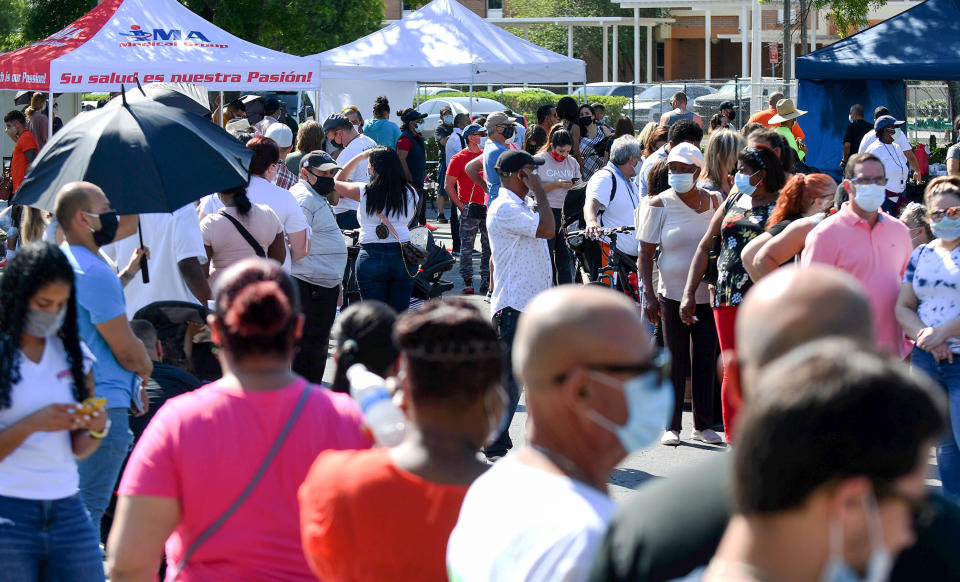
(871, 68)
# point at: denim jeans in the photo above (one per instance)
(948, 451)
(99, 472)
(383, 276)
(505, 321)
(48, 540)
(560, 257)
(469, 227)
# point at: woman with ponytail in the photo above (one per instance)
(363, 335)
(802, 204)
(380, 129)
(238, 448)
(239, 231)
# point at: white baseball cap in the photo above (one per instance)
(686, 153)
(280, 133)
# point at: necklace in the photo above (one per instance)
(565, 465)
(699, 200)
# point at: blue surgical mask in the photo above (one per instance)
(649, 406)
(448, 119)
(880, 562)
(742, 182)
(680, 183)
(946, 229)
(870, 197)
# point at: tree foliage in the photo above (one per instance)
(291, 26)
(848, 15)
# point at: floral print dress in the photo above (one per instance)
(740, 226)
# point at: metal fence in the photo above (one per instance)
(929, 114)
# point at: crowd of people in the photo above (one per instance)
(816, 325)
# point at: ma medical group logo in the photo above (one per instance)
(139, 36)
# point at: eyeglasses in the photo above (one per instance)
(922, 511)
(951, 213)
(659, 364)
(879, 181)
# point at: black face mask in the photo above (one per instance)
(109, 222)
(586, 120)
(323, 185)
(508, 132)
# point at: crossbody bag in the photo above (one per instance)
(410, 253)
(245, 234)
(212, 528)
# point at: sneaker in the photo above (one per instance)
(484, 286)
(670, 438)
(708, 436)
(442, 219)
(467, 291)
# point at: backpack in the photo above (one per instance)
(575, 199)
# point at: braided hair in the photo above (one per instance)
(35, 265)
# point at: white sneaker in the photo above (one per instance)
(670, 438)
(708, 436)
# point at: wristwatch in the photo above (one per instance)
(101, 434)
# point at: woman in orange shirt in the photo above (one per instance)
(386, 514)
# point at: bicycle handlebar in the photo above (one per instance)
(605, 231)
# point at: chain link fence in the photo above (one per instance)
(929, 114)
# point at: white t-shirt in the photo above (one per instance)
(519, 523)
(171, 238)
(621, 210)
(454, 145)
(871, 136)
(43, 466)
(281, 201)
(369, 222)
(522, 260)
(361, 143)
(895, 164)
(552, 170)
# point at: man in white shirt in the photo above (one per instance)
(175, 264)
(520, 258)
(681, 131)
(342, 133)
(894, 161)
(596, 391)
(900, 138)
(612, 197)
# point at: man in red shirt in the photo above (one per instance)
(765, 115)
(471, 200)
(26, 148)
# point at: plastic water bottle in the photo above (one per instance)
(383, 419)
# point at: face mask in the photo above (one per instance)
(586, 120)
(323, 185)
(850, 117)
(680, 182)
(109, 222)
(558, 157)
(496, 426)
(896, 134)
(880, 562)
(870, 197)
(508, 133)
(448, 119)
(649, 406)
(742, 182)
(483, 142)
(43, 323)
(946, 229)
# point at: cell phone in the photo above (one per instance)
(137, 403)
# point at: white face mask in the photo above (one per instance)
(680, 182)
(870, 197)
(850, 117)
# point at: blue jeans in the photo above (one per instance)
(99, 472)
(383, 276)
(48, 540)
(948, 451)
(469, 227)
(505, 321)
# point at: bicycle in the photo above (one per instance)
(613, 268)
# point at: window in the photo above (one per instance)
(494, 8)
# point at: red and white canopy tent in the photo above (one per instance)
(121, 41)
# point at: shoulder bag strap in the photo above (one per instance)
(250, 486)
(403, 256)
(389, 225)
(245, 234)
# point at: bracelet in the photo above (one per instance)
(102, 434)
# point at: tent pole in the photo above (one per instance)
(223, 121)
(471, 101)
(51, 116)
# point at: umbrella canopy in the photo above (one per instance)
(186, 96)
(146, 157)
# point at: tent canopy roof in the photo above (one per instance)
(446, 42)
(154, 41)
(922, 43)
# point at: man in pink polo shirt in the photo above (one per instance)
(869, 244)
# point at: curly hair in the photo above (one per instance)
(798, 194)
(381, 107)
(35, 265)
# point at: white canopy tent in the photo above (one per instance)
(441, 42)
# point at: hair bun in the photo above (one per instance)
(260, 309)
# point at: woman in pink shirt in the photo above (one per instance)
(243, 443)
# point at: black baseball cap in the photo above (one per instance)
(319, 160)
(412, 115)
(510, 162)
(728, 105)
(335, 121)
(271, 106)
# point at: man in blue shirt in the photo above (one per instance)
(500, 134)
(88, 223)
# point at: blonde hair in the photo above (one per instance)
(37, 101)
(646, 132)
(721, 155)
(32, 224)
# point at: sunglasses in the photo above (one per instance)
(659, 365)
(951, 213)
